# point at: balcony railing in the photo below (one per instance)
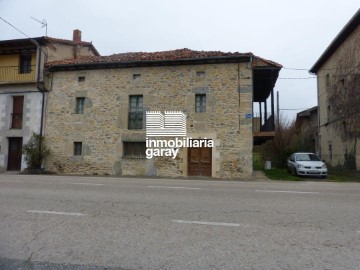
(263, 123)
(17, 74)
(16, 120)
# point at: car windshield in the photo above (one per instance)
(307, 157)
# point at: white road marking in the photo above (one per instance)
(56, 213)
(72, 183)
(172, 187)
(89, 184)
(207, 223)
(287, 191)
(12, 181)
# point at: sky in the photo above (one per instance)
(292, 33)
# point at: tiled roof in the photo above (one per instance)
(9, 44)
(174, 55)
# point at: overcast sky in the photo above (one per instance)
(292, 33)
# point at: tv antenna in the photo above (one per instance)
(43, 23)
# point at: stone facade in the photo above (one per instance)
(103, 127)
(307, 129)
(333, 145)
(14, 84)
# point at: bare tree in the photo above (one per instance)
(283, 144)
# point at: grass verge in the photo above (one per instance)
(334, 176)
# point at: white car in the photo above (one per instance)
(307, 164)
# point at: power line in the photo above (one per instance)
(298, 109)
(306, 69)
(17, 29)
(297, 78)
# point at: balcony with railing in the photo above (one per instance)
(263, 127)
(263, 123)
(17, 74)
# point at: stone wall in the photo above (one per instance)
(104, 125)
(328, 75)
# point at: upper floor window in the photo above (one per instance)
(25, 63)
(200, 74)
(80, 101)
(17, 114)
(327, 80)
(200, 103)
(136, 112)
(136, 77)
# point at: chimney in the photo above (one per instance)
(77, 36)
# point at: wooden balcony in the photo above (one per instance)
(263, 127)
(17, 74)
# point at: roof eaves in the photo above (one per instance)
(352, 24)
(118, 64)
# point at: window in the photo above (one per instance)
(134, 150)
(200, 103)
(81, 79)
(25, 63)
(327, 80)
(136, 77)
(136, 112)
(80, 101)
(17, 114)
(200, 74)
(77, 148)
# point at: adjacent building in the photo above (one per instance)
(96, 112)
(337, 71)
(23, 91)
(306, 129)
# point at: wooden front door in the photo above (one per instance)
(15, 151)
(199, 161)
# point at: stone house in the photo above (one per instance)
(338, 89)
(96, 112)
(306, 130)
(22, 90)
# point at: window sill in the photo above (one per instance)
(76, 158)
(133, 158)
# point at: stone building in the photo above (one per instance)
(96, 111)
(22, 89)
(306, 130)
(338, 88)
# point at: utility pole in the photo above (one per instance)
(277, 107)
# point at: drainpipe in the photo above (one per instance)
(42, 89)
(318, 120)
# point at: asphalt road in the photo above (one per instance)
(65, 222)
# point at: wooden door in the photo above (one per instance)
(17, 115)
(199, 161)
(15, 151)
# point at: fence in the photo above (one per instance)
(271, 162)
